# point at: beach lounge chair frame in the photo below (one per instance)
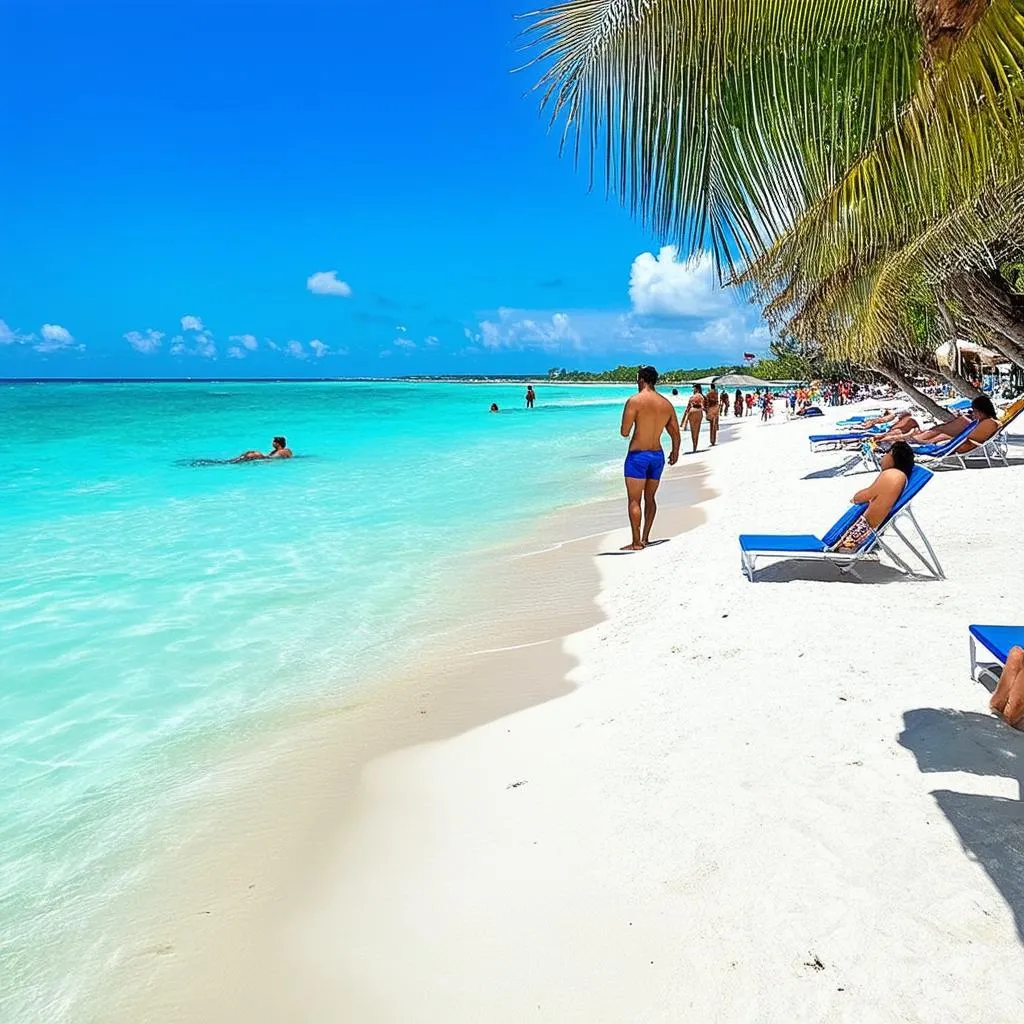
(997, 640)
(847, 561)
(938, 457)
(993, 450)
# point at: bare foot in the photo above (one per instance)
(632, 547)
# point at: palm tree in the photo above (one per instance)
(820, 148)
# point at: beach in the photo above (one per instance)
(716, 800)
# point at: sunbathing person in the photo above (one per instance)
(888, 415)
(1008, 699)
(982, 413)
(902, 429)
(880, 496)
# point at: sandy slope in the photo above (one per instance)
(780, 801)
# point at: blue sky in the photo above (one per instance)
(313, 188)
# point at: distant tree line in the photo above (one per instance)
(788, 361)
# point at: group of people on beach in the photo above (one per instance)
(902, 426)
(647, 415)
(715, 404)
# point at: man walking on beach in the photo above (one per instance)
(647, 416)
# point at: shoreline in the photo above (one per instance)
(762, 802)
(770, 801)
(279, 809)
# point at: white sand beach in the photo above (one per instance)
(763, 802)
(775, 801)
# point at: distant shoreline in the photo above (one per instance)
(536, 381)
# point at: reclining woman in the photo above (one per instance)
(879, 496)
(903, 427)
(982, 413)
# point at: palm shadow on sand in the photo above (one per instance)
(991, 829)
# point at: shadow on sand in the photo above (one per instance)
(650, 544)
(845, 468)
(991, 829)
(821, 572)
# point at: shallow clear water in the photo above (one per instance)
(151, 607)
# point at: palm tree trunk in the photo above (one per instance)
(919, 398)
(999, 311)
(945, 23)
(951, 377)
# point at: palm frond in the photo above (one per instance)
(720, 121)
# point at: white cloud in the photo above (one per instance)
(619, 333)
(177, 345)
(665, 286)
(319, 348)
(273, 345)
(245, 341)
(325, 282)
(204, 346)
(404, 343)
(522, 329)
(401, 328)
(13, 337)
(234, 352)
(147, 341)
(294, 348)
(431, 341)
(732, 335)
(55, 338)
(192, 323)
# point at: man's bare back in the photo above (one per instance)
(645, 417)
(648, 415)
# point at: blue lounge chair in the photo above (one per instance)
(997, 640)
(810, 548)
(823, 442)
(944, 451)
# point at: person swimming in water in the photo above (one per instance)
(279, 450)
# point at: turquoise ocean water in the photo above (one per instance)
(152, 608)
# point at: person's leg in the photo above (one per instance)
(713, 428)
(1008, 700)
(695, 418)
(650, 509)
(950, 429)
(634, 493)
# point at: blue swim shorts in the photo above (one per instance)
(645, 465)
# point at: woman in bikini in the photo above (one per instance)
(713, 408)
(982, 413)
(880, 496)
(694, 414)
